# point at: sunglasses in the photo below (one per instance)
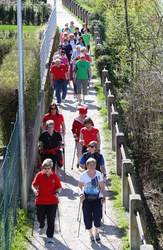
(53, 108)
(91, 146)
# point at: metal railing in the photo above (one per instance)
(46, 43)
(10, 189)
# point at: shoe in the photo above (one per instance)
(50, 240)
(63, 100)
(58, 104)
(40, 231)
(92, 239)
(77, 165)
(97, 237)
(83, 101)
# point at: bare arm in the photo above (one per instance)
(80, 185)
(63, 127)
(98, 140)
(81, 138)
(34, 189)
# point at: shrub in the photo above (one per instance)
(104, 61)
(96, 16)
(9, 82)
(105, 49)
(5, 47)
(101, 27)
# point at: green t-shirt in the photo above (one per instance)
(86, 38)
(82, 69)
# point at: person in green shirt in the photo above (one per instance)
(81, 77)
(87, 39)
(72, 27)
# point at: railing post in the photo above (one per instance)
(96, 28)
(146, 247)
(97, 41)
(126, 169)
(134, 206)
(83, 15)
(120, 139)
(107, 85)
(110, 101)
(104, 75)
(114, 119)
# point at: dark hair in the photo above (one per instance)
(87, 120)
(55, 105)
(77, 28)
(63, 52)
(76, 58)
(59, 46)
(81, 38)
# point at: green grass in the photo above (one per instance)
(28, 28)
(23, 229)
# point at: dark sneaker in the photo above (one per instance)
(77, 165)
(97, 238)
(92, 239)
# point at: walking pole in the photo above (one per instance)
(74, 155)
(59, 223)
(79, 210)
(64, 157)
(79, 223)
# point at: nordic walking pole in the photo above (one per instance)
(79, 210)
(79, 222)
(74, 155)
(64, 157)
(59, 223)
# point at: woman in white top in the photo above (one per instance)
(92, 193)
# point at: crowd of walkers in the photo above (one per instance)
(71, 62)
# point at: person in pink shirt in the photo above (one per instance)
(64, 59)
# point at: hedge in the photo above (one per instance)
(9, 82)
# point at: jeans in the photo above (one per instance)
(58, 87)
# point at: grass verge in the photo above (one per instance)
(120, 215)
(23, 229)
(14, 28)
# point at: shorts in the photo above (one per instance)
(81, 84)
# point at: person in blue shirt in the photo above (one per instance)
(92, 152)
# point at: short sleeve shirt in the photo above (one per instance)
(49, 141)
(46, 187)
(59, 72)
(89, 135)
(82, 69)
(91, 185)
(58, 119)
(86, 38)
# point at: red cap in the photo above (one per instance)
(83, 110)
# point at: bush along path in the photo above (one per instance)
(67, 233)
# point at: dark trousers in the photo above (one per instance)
(84, 149)
(48, 211)
(92, 211)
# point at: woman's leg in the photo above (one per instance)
(41, 213)
(64, 89)
(79, 151)
(97, 210)
(87, 214)
(51, 213)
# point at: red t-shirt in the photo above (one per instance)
(86, 57)
(89, 135)
(59, 73)
(77, 125)
(57, 120)
(46, 188)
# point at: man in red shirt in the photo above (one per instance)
(46, 187)
(59, 74)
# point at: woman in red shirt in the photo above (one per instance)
(88, 134)
(46, 187)
(53, 114)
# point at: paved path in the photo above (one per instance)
(69, 200)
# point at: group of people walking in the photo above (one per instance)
(46, 184)
(72, 63)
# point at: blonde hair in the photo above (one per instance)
(90, 160)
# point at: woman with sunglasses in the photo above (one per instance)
(92, 152)
(46, 187)
(53, 114)
(64, 59)
(88, 134)
(81, 42)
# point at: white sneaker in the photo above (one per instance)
(40, 231)
(63, 100)
(50, 240)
